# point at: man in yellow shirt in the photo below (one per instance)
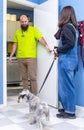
(25, 42)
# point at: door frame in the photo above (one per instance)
(22, 2)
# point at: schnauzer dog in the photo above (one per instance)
(37, 110)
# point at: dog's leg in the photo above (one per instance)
(47, 115)
(31, 114)
(47, 127)
(31, 118)
(40, 127)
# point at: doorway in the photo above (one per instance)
(14, 79)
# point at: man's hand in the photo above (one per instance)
(44, 43)
(48, 48)
(10, 60)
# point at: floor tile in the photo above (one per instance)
(19, 119)
(5, 121)
(27, 126)
(11, 113)
(2, 116)
(64, 126)
(11, 127)
(79, 122)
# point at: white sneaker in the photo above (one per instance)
(24, 92)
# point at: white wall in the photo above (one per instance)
(46, 19)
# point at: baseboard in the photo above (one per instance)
(80, 108)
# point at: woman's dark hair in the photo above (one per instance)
(67, 15)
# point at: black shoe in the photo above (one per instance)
(65, 115)
(61, 110)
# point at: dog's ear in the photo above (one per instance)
(29, 96)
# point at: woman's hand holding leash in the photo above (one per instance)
(55, 52)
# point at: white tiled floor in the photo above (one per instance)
(15, 116)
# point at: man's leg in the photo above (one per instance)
(32, 75)
(23, 69)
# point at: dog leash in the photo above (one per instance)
(46, 76)
(48, 71)
(54, 50)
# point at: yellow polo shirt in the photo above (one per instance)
(27, 42)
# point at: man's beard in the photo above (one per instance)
(24, 28)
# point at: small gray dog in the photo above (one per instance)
(37, 110)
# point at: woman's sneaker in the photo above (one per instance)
(61, 110)
(65, 115)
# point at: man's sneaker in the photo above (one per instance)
(24, 92)
(65, 115)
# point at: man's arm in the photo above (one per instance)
(14, 48)
(44, 43)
